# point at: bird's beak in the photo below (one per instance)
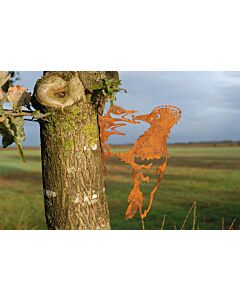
(142, 117)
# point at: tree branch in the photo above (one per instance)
(24, 113)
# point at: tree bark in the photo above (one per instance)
(72, 170)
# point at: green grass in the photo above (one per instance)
(21, 199)
(208, 175)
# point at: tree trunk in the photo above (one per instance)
(72, 170)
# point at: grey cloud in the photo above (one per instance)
(204, 97)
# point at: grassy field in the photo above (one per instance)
(209, 176)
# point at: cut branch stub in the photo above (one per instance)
(60, 89)
(152, 144)
(57, 93)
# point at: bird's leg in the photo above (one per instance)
(161, 169)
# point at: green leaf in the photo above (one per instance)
(20, 150)
(7, 139)
(13, 131)
(19, 134)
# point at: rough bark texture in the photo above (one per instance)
(72, 169)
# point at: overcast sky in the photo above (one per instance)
(210, 102)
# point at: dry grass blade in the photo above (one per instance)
(194, 215)
(231, 226)
(143, 226)
(163, 222)
(223, 224)
(185, 220)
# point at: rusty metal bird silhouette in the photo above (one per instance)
(152, 144)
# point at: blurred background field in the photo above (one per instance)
(206, 174)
